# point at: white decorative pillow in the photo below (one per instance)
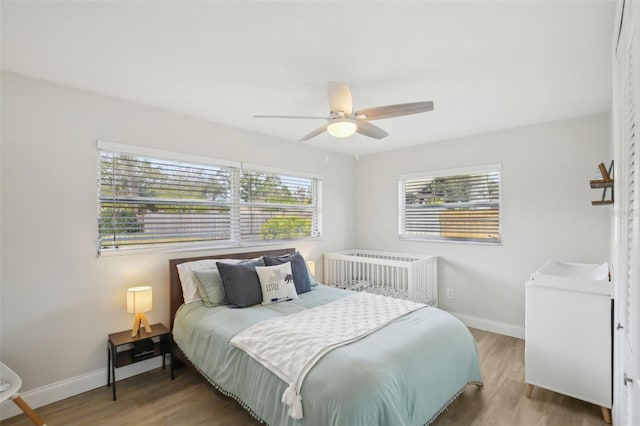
(190, 292)
(276, 283)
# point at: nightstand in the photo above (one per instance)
(124, 349)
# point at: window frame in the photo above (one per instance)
(235, 205)
(443, 174)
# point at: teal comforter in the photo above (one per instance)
(403, 374)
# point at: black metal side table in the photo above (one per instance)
(125, 350)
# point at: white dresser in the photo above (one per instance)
(568, 332)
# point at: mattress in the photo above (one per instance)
(403, 374)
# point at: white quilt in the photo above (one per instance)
(291, 345)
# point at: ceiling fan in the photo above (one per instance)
(343, 122)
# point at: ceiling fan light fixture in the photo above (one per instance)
(342, 127)
(343, 122)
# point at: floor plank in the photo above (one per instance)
(153, 399)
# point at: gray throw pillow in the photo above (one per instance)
(298, 268)
(241, 283)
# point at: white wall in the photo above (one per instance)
(546, 210)
(58, 300)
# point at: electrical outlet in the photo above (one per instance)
(449, 293)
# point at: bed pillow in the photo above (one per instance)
(276, 283)
(210, 284)
(190, 291)
(210, 287)
(298, 268)
(241, 283)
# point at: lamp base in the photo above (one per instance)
(140, 318)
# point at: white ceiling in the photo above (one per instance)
(486, 65)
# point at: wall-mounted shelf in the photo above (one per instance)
(605, 183)
(601, 184)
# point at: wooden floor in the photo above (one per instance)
(153, 399)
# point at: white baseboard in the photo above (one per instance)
(73, 386)
(499, 327)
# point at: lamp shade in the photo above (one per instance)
(311, 265)
(139, 299)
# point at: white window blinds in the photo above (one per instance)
(277, 206)
(147, 199)
(453, 205)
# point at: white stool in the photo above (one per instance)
(12, 392)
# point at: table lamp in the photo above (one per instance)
(311, 265)
(138, 302)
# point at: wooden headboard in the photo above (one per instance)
(175, 291)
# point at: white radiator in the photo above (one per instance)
(401, 275)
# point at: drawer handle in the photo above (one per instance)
(619, 326)
(627, 380)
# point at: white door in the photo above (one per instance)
(626, 106)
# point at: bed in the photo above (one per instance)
(405, 373)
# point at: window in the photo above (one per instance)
(152, 198)
(277, 207)
(451, 205)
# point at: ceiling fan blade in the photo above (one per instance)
(340, 98)
(370, 130)
(314, 133)
(389, 111)
(305, 117)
